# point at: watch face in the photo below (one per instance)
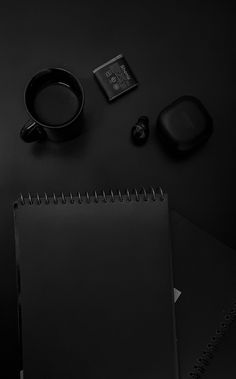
(115, 77)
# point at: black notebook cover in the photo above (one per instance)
(96, 287)
(205, 273)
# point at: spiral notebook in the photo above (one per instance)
(205, 273)
(96, 286)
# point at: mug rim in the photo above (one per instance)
(77, 113)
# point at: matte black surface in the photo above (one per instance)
(96, 290)
(174, 48)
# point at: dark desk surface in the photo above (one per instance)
(174, 48)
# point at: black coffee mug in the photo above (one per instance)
(54, 100)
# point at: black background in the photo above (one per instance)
(174, 48)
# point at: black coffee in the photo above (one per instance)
(56, 104)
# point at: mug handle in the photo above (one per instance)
(31, 132)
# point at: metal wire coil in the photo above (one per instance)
(110, 196)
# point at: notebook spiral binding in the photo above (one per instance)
(203, 361)
(95, 197)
